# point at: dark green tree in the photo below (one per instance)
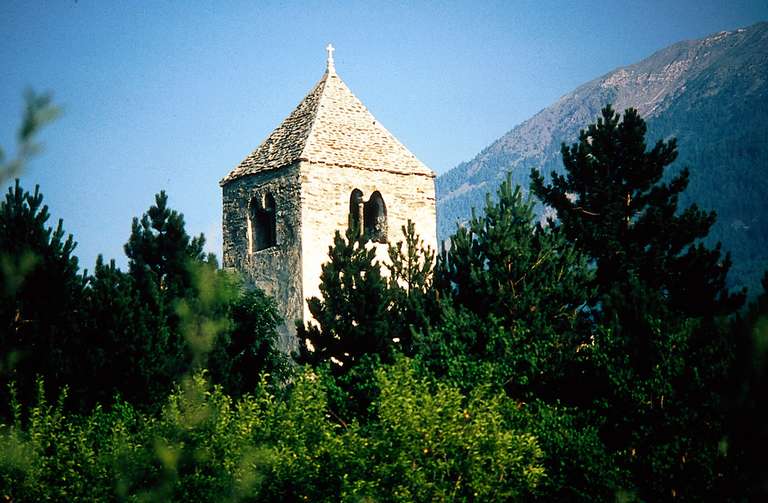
(513, 316)
(248, 348)
(351, 333)
(41, 291)
(159, 250)
(613, 204)
(661, 354)
(173, 314)
(351, 319)
(516, 294)
(127, 353)
(161, 261)
(411, 288)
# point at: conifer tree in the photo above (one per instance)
(747, 418)
(515, 294)
(160, 259)
(40, 293)
(351, 318)
(411, 287)
(613, 204)
(159, 250)
(513, 316)
(362, 312)
(351, 332)
(659, 352)
(127, 353)
(172, 313)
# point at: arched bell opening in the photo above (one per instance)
(375, 214)
(262, 229)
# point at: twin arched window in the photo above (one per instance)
(262, 228)
(368, 219)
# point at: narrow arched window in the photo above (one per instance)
(262, 223)
(356, 210)
(376, 218)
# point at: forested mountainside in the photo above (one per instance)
(711, 94)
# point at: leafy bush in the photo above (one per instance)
(429, 443)
(432, 443)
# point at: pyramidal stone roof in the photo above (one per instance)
(331, 126)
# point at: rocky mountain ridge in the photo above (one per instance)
(710, 93)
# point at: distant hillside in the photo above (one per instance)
(711, 94)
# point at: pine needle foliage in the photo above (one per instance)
(614, 204)
(514, 296)
(351, 319)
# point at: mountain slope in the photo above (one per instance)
(712, 94)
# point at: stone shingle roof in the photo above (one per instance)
(331, 126)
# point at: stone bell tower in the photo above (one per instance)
(329, 165)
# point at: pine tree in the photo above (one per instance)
(514, 294)
(40, 292)
(351, 319)
(130, 326)
(747, 419)
(613, 204)
(173, 313)
(161, 256)
(159, 250)
(351, 334)
(410, 286)
(513, 317)
(126, 341)
(659, 351)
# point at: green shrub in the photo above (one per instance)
(428, 442)
(432, 443)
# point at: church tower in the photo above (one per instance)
(328, 165)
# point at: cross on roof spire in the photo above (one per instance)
(330, 49)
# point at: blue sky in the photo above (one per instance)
(172, 95)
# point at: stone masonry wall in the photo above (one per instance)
(276, 270)
(325, 194)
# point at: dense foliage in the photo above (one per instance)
(590, 358)
(351, 319)
(660, 353)
(518, 291)
(41, 293)
(612, 204)
(130, 334)
(430, 444)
